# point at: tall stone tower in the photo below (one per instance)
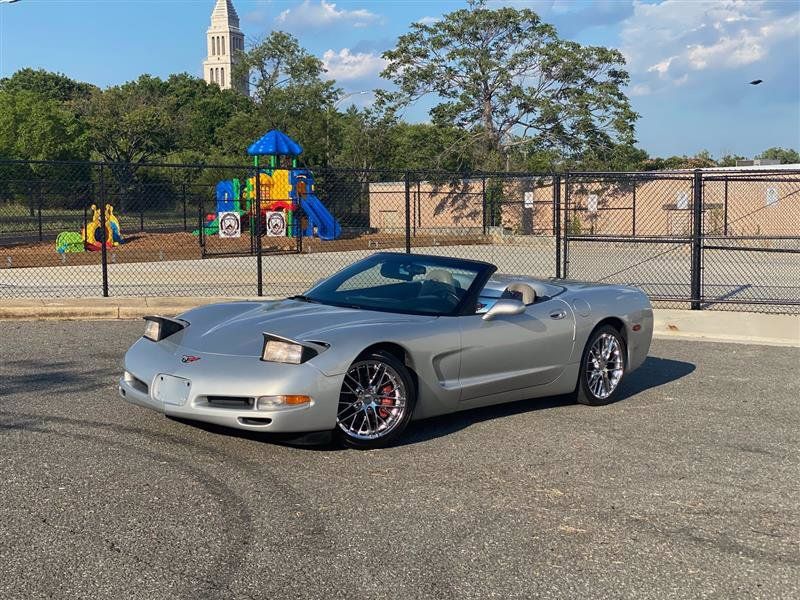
(225, 42)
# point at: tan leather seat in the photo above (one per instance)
(521, 291)
(436, 281)
(442, 276)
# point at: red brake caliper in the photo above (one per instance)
(386, 390)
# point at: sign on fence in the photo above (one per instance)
(528, 200)
(276, 224)
(230, 225)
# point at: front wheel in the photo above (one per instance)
(602, 367)
(375, 403)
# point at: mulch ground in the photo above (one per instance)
(158, 247)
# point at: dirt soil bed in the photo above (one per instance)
(158, 247)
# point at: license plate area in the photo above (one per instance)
(171, 390)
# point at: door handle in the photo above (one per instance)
(559, 314)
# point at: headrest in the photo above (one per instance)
(441, 276)
(522, 291)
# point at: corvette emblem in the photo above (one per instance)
(189, 359)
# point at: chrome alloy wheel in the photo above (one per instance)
(604, 366)
(373, 401)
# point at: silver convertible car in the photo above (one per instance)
(391, 338)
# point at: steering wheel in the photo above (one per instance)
(448, 294)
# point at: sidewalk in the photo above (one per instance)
(719, 326)
(95, 309)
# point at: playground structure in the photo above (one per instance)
(92, 237)
(275, 205)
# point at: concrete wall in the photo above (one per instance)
(434, 207)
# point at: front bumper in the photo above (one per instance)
(223, 376)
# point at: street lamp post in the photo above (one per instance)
(332, 108)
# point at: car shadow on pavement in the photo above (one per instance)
(31, 375)
(654, 373)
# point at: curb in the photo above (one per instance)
(712, 326)
(730, 327)
(104, 309)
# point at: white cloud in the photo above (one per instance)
(428, 20)
(345, 65)
(662, 67)
(667, 44)
(315, 15)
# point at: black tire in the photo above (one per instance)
(586, 390)
(402, 385)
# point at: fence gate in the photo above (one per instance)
(635, 229)
(256, 224)
(751, 240)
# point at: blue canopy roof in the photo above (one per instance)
(275, 142)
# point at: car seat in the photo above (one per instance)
(520, 291)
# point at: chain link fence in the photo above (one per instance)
(726, 239)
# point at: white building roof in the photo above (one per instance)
(225, 15)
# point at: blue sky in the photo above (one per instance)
(690, 61)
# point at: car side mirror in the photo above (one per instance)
(504, 307)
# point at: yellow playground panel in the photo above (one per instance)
(273, 187)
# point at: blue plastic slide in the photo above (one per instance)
(328, 228)
(115, 233)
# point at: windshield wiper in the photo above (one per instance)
(303, 298)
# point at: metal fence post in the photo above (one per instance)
(183, 194)
(418, 208)
(103, 252)
(259, 255)
(557, 221)
(567, 185)
(408, 212)
(201, 224)
(39, 209)
(633, 222)
(483, 205)
(697, 240)
(725, 210)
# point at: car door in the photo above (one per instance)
(515, 352)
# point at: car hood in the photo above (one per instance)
(236, 328)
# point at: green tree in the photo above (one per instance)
(729, 160)
(701, 160)
(424, 146)
(359, 139)
(290, 91)
(201, 111)
(130, 123)
(53, 86)
(33, 127)
(507, 78)
(787, 156)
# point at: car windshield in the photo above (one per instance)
(404, 283)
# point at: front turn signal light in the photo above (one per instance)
(274, 402)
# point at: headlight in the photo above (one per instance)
(289, 352)
(283, 352)
(152, 330)
(275, 402)
(159, 328)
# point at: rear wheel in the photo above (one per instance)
(375, 403)
(602, 367)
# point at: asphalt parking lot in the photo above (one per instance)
(686, 488)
